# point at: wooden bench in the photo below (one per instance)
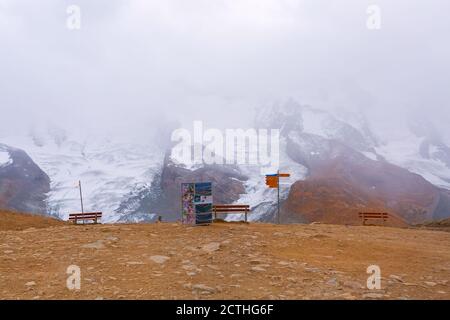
(94, 216)
(365, 216)
(231, 209)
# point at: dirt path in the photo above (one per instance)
(224, 261)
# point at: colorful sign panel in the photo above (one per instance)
(196, 203)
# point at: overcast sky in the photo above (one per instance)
(135, 62)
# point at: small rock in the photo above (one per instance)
(373, 295)
(291, 279)
(430, 283)
(204, 289)
(353, 285)
(213, 267)
(348, 296)
(94, 245)
(187, 285)
(211, 247)
(30, 283)
(8, 251)
(258, 269)
(396, 278)
(159, 259)
(332, 282)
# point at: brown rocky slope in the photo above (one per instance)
(341, 182)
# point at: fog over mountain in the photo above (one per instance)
(133, 62)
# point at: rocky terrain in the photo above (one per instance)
(23, 185)
(222, 261)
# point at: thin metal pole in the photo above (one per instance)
(81, 197)
(278, 178)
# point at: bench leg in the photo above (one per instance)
(245, 215)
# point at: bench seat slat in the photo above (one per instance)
(231, 206)
(84, 217)
(231, 210)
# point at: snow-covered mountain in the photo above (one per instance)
(127, 180)
(109, 170)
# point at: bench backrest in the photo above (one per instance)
(86, 215)
(375, 215)
(231, 207)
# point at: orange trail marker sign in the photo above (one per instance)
(273, 181)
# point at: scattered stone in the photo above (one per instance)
(430, 283)
(30, 283)
(204, 289)
(373, 296)
(133, 263)
(213, 267)
(187, 285)
(353, 285)
(8, 251)
(348, 296)
(291, 279)
(94, 245)
(396, 278)
(278, 234)
(211, 247)
(258, 269)
(159, 259)
(307, 269)
(332, 282)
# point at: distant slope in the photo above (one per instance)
(443, 225)
(23, 185)
(20, 221)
